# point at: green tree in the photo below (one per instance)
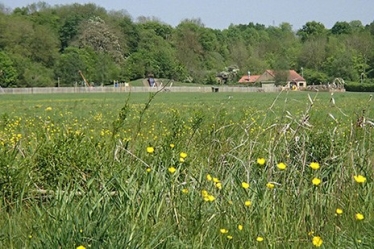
(311, 30)
(71, 61)
(340, 28)
(96, 34)
(131, 33)
(8, 73)
(313, 53)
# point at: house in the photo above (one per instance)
(249, 78)
(269, 77)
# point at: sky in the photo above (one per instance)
(220, 14)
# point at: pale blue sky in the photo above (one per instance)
(220, 14)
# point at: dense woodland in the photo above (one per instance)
(41, 45)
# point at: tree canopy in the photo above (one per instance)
(42, 44)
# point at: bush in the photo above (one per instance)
(358, 87)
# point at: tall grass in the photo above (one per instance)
(183, 171)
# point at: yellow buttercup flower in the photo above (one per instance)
(150, 150)
(148, 170)
(339, 211)
(245, 185)
(316, 181)
(183, 155)
(185, 191)
(223, 230)
(270, 185)
(248, 203)
(314, 165)
(240, 227)
(281, 166)
(172, 170)
(172, 146)
(259, 239)
(261, 161)
(229, 236)
(215, 179)
(359, 216)
(360, 178)
(209, 177)
(81, 247)
(317, 241)
(211, 198)
(219, 185)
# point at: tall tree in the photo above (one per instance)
(96, 34)
(8, 73)
(311, 30)
(340, 28)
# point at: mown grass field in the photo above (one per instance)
(187, 170)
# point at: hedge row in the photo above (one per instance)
(358, 87)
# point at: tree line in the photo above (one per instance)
(43, 45)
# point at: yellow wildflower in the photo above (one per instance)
(185, 191)
(181, 159)
(229, 236)
(317, 241)
(204, 193)
(314, 165)
(215, 179)
(339, 211)
(240, 227)
(172, 146)
(281, 166)
(259, 239)
(148, 169)
(360, 179)
(219, 185)
(48, 108)
(183, 155)
(316, 181)
(81, 247)
(223, 230)
(245, 185)
(248, 203)
(150, 149)
(359, 216)
(270, 185)
(209, 177)
(261, 161)
(211, 198)
(172, 170)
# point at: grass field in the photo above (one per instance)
(187, 170)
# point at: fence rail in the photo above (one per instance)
(46, 90)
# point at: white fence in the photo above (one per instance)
(46, 90)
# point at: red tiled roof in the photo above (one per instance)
(250, 79)
(292, 76)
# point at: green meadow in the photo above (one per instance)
(187, 170)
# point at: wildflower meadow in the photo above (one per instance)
(187, 170)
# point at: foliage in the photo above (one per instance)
(8, 73)
(120, 48)
(311, 30)
(359, 87)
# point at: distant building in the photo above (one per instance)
(269, 77)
